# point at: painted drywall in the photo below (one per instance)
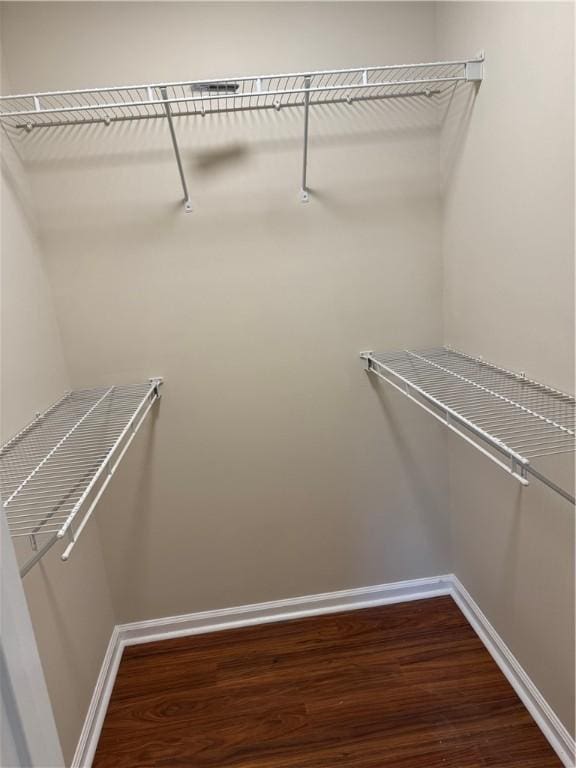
(508, 243)
(274, 467)
(70, 605)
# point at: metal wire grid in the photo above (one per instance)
(54, 471)
(201, 97)
(516, 416)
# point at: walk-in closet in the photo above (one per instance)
(287, 384)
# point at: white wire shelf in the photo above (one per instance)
(53, 472)
(201, 97)
(508, 417)
(198, 98)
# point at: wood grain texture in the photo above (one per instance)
(402, 685)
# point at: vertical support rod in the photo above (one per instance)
(187, 202)
(304, 196)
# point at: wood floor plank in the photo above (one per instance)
(399, 686)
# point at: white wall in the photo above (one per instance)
(70, 605)
(508, 240)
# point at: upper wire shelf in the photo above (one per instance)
(197, 98)
(510, 418)
(54, 471)
(201, 97)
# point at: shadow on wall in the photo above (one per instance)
(74, 659)
(359, 153)
(212, 160)
(127, 518)
(420, 485)
(9, 158)
(456, 106)
(80, 147)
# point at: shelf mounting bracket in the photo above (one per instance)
(304, 195)
(475, 69)
(168, 110)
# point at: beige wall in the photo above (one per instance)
(275, 468)
(70, 605)
(508, 240)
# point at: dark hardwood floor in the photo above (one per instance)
(402, 685)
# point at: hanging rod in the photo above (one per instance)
(509, 418)
(198, 98)
(53, 472)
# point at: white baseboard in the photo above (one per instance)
(88, 741)
(282, 610)
(543, 714)
(315, 605)
(228, 618)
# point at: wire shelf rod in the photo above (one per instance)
(38, 513)
(110, 473)
(47, 531)
(105, 466)
(72, 417)
(48, 519)
(486, 413)
(519, 434)
(514, 390)
(57, 467)
(516, 386)
(219, 97)
(39, 501)
(50, 109)
(23, 432)
(245, 78)
(40, 498)
(64, 473)
(510, 468)
(51, 453)
(35, 525)
(507, 418)
(491, 392)
(541, 440)
(520, 376)
(495, 443)
(514, 415)
(60, 500)
(481, 407)
(53, 479)
(550, 452)
(502, 418)
(17, 521)
(72, 458)
(209, 111)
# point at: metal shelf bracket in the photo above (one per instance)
(168, 109)
(475, 69)
(365, 357)
(304, 194)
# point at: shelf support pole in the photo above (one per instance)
(304, 196)
(168, 110)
